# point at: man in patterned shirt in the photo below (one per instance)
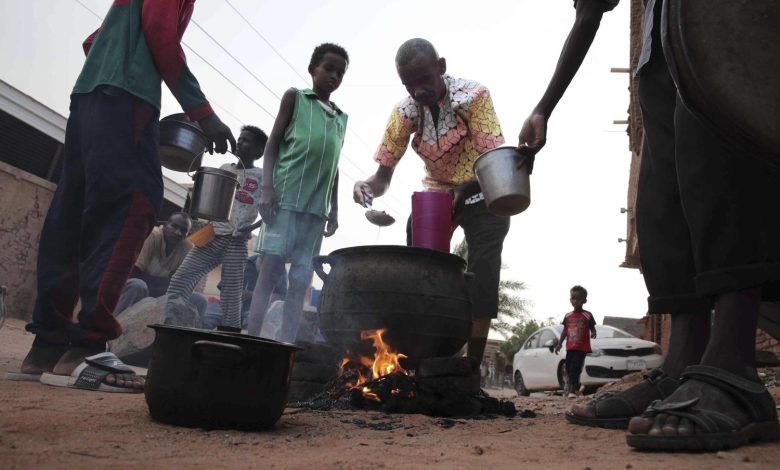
(450, 121)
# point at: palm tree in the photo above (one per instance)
(512, 308)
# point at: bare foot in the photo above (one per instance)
(76, 355)
(41, 359)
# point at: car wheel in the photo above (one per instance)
(590, 389)
(520, 385)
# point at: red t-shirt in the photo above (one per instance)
(576, 327)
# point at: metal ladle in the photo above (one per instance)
(378, 218)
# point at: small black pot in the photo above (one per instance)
(211, 379)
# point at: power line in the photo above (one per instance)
(236, 60)
(305, 80)
(268, 43)
(344, 157)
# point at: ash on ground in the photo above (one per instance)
(401, 393)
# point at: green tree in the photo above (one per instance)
(512, 308)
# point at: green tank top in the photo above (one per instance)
(309, 155)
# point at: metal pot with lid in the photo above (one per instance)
(217, 379)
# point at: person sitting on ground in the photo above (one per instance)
(579, 327)
(160, 257)
(110, 190)
(212, 317)
(229, 244)
(450, 122)
(301, 182)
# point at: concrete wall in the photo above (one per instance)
(24, 201)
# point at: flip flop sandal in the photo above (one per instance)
(613, 411)
(714, 430)
(89, 375)
(22, 376)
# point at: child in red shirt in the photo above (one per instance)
(576, 325)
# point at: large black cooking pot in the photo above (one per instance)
(217, 380)
(419, 295)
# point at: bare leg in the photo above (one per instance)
(300, 280)
(269, 265)
(478, 339)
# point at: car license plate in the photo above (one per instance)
(635, 364)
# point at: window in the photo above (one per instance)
(532, 342)
(547, 335)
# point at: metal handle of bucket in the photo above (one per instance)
(195, 159)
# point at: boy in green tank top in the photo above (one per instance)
(300, 186)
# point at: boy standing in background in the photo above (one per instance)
(576, 326)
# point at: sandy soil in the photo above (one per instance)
(46, 427)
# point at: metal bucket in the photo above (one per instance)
(181, 143)
(213, 194)
(503, 176)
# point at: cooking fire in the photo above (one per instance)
(439, 387)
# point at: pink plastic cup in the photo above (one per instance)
(432, 220)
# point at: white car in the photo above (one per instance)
(615, 354)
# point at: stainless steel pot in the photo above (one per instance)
(213, 194)
(503, 175)
(215, 379)
(181, 143)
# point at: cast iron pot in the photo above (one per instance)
(419, 295)
(210, 379)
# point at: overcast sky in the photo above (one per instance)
(570, 233)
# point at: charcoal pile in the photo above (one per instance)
(442, 387)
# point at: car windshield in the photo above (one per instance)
(609, 332)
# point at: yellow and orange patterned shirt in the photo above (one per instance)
(467, 127)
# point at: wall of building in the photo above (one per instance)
(24, 201)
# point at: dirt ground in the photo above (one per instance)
(48, 427)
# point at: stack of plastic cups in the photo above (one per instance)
(432, 220)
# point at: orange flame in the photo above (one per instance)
(384, 362)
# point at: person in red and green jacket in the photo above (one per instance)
(110, 190)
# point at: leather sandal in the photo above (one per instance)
(716, 426)
(614, 410)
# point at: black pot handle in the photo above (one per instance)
(317, 262)
(217, 350)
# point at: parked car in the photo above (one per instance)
(615, 354)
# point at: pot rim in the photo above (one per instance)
(496, 151)
(399, 249)
(226, 335)
(216, 171)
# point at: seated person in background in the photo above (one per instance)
(213, 316)
(161, 255)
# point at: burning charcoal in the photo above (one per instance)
(448, 367)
